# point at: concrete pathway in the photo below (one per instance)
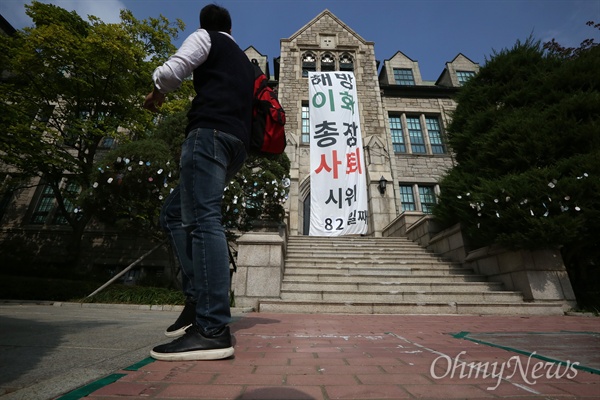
(49, 349)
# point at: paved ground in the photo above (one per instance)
(102, 354)
(47, 350)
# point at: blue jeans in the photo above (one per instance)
(191, 216)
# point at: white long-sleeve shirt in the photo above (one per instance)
(192, 53)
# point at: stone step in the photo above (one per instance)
(348, 239)
(351, 250)
(389, 286)
(393, 296)
(374, 244)
(383, 247)
(462, 308)
(378, 270)
(391, 277)
(332, 263)
(387, 276)
(393, 258)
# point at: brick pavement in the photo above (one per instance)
(303, 356)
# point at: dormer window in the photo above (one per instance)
(346, 63)
(327, 62)
(404, 77)
(464, 76)
(309, 64)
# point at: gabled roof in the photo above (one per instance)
(401, 53)
(383, 70)
(329, 14)
(445, 70)
(461, 54)
(253, 48)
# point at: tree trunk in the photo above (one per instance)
(74, 247)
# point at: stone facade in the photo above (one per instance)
(326, 43)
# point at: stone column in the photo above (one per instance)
(260, 263)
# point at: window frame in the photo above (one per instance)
(312, 61)
(419, 132)
(427, 199)
(308, 66)
(44, 206)
(46, 210)
(415, 134)
(404, 76)
(464, 76)
(401, 149)
(424, 201)
(434, 133)
(59, 218)
(346, 66)
(305, 124)
(328, 61)
(406, 193)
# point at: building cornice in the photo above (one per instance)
(420, 91)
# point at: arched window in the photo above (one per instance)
(327, 62)
(346, 63)
(309, 64)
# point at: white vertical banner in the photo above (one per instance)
(338, 185)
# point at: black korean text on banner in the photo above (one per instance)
(338, 186)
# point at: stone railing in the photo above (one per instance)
(260, 264)
(540, 275)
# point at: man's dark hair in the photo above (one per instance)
(215, 18)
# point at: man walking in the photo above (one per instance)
(217, 139)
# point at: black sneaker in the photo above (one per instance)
(195, 346)
(184, 321)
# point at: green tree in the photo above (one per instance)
(71, 86)
(257, 193)
(132, 181)
(526, 134)
(130, 185)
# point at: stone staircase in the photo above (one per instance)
(387, 276)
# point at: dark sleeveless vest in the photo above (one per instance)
(224, 86)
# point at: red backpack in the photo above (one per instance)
(268, 118)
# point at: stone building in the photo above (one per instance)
(403, 118)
